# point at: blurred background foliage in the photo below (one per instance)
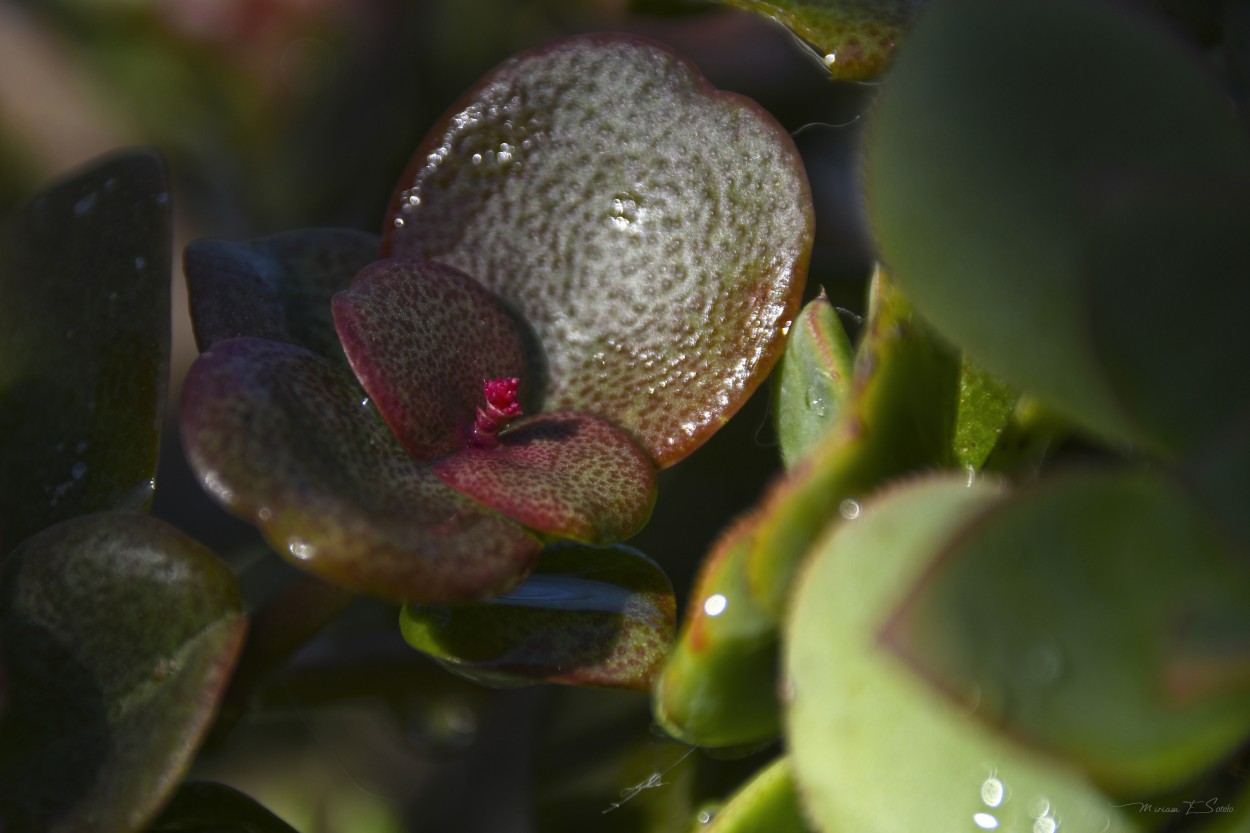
(278, 114)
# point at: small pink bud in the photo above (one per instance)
(501, 408)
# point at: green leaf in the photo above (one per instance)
(288, 440)
(767, 802)
(278, 288)
(813, 380)
(561, 474)
(986, 405)
(854, 37)
(84, 344)
(719, 685)
(1101, 618)
(119, 635)
(205, 807)
(981, 156)
(585, 616)
(874, 745)
(654, 231)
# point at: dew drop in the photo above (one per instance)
(985, 821)
(399, 222)
(816, 402)
(849, 509)
(715, 604)
(992, 792)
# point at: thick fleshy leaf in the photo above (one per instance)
(719, 685)
(766, 802)
(278, 288)
(119, 634)
(986, 405)
(568, 475)
(84, 344)
(585, 616)
(1099, 617)
(422, 337)
(875, 746)
(206, 807)
(855, 37)
(982, 150)
(813, 381)
(653, 231)
(288, 440)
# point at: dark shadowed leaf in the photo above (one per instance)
(119, 634)
(84, 344)
(1098, 616)
(567, 475)
(205, 807)
(585, 616)
(813, 381)
(855, 38)
(653, 231)
(277, 288)
(422, 337)
(288, 440)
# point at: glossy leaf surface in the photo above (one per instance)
(421, 338)
(288, 440)
(561, 474)
(119, 634)
(205, 807)
(719, 685)
(278, 288)
(585, 616)
(1099, 617)
(854, 37)
(653, 231)
(981, 157)
(84, 344)
(766, 802)
(874, 745)
(813, 381)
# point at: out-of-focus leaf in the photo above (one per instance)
(287, 439)
(981, 152)
(585, 616)
(119, 634)
(1099, 617)
(719, 685)
(206, 807)
(654, 231)
(84, 344)
(985, 409)
(278, 288)
(421, 338)
(874, 745)
(813, 380)
(767, 802)
(562, 474)
(855, 37)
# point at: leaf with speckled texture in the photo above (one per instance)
(585, 616)
(277, 288)
(855, 38)
(654, 231)
(985, 409)
(287, 439)
(119, 635)
(422, 337)
(562, 474)
(84, 344)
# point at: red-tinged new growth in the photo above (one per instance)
(501, 408)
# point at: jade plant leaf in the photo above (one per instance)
(653, 231)
(278, 288)
(206, 807)
(119, 635)
(84, 344)
(585, 616)
(874, 745)
(813, 380)
(1101, 618)
(981, 156)
(287, 438)
(986, 406)
(767, 802)
(854, 37)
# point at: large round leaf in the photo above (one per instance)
(653, 231)
(119, 634)
(84, 344)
